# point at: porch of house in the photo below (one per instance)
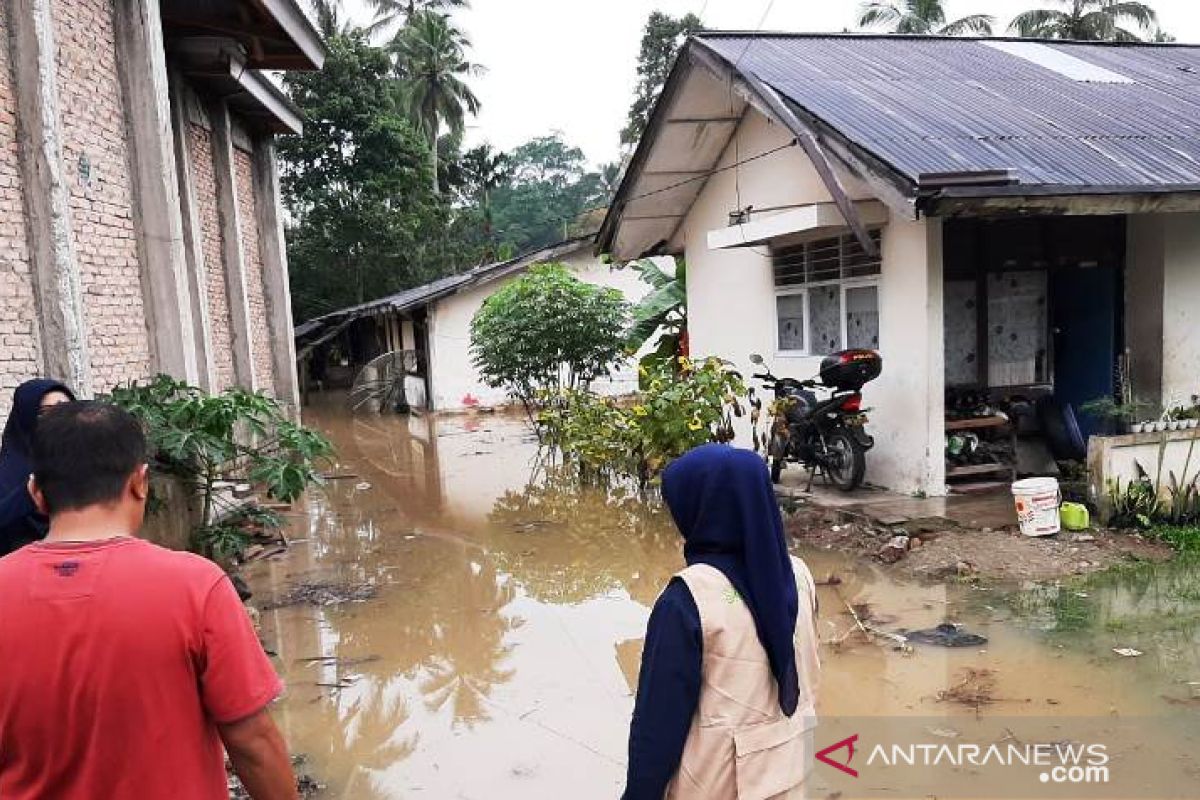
(1046, 315)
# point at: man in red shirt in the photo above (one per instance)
(123, 666)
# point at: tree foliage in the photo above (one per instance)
(548, 330)
(680, 406)
(921, 17)
(1090, 20)
(363, 221)
(432, 65)
(662, 311)
(661, 39)
(548, 189)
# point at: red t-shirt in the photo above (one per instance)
(117, 660)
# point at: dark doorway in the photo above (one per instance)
(1084, 310)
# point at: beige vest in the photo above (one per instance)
(741, 746)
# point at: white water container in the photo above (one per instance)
(1037, 502)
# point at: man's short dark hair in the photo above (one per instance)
(84, 453)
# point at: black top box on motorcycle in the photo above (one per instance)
(850, 369)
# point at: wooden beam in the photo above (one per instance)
(888, 186)
(780, 111)
(703, 120)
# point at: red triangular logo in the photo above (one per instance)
(844, 766)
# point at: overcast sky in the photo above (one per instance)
(569, 65)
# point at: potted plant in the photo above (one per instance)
(1121, 414)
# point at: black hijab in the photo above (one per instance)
(724, 505)
(20, 522)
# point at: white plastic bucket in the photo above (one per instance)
(1037, 506)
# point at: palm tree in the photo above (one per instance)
(328, 15)
(921, 17)
(431, 63)
(394, 13)
(484, 171)
(1087, 20)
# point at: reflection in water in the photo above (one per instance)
(499, 657)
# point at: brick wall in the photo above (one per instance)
(18, 342)
(199, 140)
(93, 129)
(260, 333)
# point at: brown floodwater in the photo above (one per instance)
(498, 656)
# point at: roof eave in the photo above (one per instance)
(1043, 199)
(298, 27)
(606, 236)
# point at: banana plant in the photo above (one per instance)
(663, 311)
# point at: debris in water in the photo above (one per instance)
(947, 634)
(944, 733)
(833, 579)
(341, 661)
(1127, 652)
(362, 486)
(323, 594)
(306, 785)
(974, 688)
(894, 550)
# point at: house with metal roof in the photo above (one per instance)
(140, 216)
(420, 338)
(1007, 221)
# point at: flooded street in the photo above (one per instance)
(497, 654)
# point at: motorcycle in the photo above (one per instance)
(822, 434)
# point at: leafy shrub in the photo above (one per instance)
(234, 436)
(677, 411)
(547, 331)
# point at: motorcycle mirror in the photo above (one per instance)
(755, 358)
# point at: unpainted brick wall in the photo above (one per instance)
(199, 140)
(19, 359)
(260, 333)
(94, 142)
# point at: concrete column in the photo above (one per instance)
(141, 64)
(193, 244)
(57, 282)
(1181, 299)
(231, 230)
(908, 421)
(276, 288)
(1144, 297)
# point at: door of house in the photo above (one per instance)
(1084, 310)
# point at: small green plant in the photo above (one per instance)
(662, 311)
(206, 440)
(1135, 504)
(677, 411)
(224, 543)
(1123, 414)
(546, 331)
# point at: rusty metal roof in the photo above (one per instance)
(1054, 116)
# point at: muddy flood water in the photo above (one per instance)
(491, 643)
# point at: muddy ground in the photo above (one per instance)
(940, 549)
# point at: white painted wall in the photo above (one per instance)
(1181, 308)
(731, 304)
(454, 377)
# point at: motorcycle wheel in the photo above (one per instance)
(776, 469)
(847, 463)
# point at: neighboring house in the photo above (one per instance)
(993, 215)
(139, 200)
(433, 322)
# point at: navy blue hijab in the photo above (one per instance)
(19, 521)
(724, 505)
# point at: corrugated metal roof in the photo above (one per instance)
(434, 290)
(929, 105)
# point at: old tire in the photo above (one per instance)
(848, 473)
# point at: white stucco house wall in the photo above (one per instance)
(434, 323)
(1035, 208)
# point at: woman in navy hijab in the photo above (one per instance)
(724, 505)
(20, 522)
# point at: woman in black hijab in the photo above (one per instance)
(20, 522)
